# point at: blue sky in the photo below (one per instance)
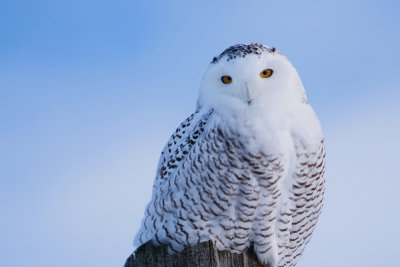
(90, 91)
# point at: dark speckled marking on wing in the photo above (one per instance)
(180, 144)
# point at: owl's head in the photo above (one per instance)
(250, 75)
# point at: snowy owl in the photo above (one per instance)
(246, 168)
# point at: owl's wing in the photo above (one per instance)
(179, 145)
(173, 155)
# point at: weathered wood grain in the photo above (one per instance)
(201, 255)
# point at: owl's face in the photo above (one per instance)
(248, 75)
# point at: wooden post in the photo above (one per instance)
(201, 255)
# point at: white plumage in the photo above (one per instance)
(246, 169)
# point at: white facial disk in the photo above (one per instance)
(248, 80)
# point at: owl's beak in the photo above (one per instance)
(248, 95)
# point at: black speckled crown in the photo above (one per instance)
(242, 50)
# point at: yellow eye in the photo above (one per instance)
(266, 73)
(226, 79)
